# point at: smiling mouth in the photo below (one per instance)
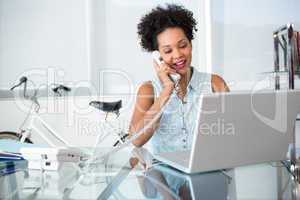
(180, 64)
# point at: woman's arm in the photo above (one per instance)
(218, 84)
(145, 110)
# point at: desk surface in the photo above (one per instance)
(125, 176)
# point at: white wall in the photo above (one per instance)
(37, 34)
(242, 42)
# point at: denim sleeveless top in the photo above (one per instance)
(178, 120)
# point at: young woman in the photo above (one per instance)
(170, 30)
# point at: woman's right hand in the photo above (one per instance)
(163, 71)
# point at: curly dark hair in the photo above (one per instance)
(159, 19)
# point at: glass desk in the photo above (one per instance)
(130, 175)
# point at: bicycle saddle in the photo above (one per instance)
(107, 106)
(61, 87)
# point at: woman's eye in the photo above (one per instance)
(167, 52)
(183, 45)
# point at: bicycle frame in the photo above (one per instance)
(34, 116)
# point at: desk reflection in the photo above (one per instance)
(160, 181)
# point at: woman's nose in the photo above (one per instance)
(176, 53)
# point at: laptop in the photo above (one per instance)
(239, 128)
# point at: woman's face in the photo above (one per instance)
(175, 49)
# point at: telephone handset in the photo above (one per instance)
(156, 56)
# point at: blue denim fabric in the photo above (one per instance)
(177, 116)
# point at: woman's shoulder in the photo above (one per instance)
(216, 78)
(218, 83)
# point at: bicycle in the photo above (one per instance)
(32, 116)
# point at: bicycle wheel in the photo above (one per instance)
(13, 136)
